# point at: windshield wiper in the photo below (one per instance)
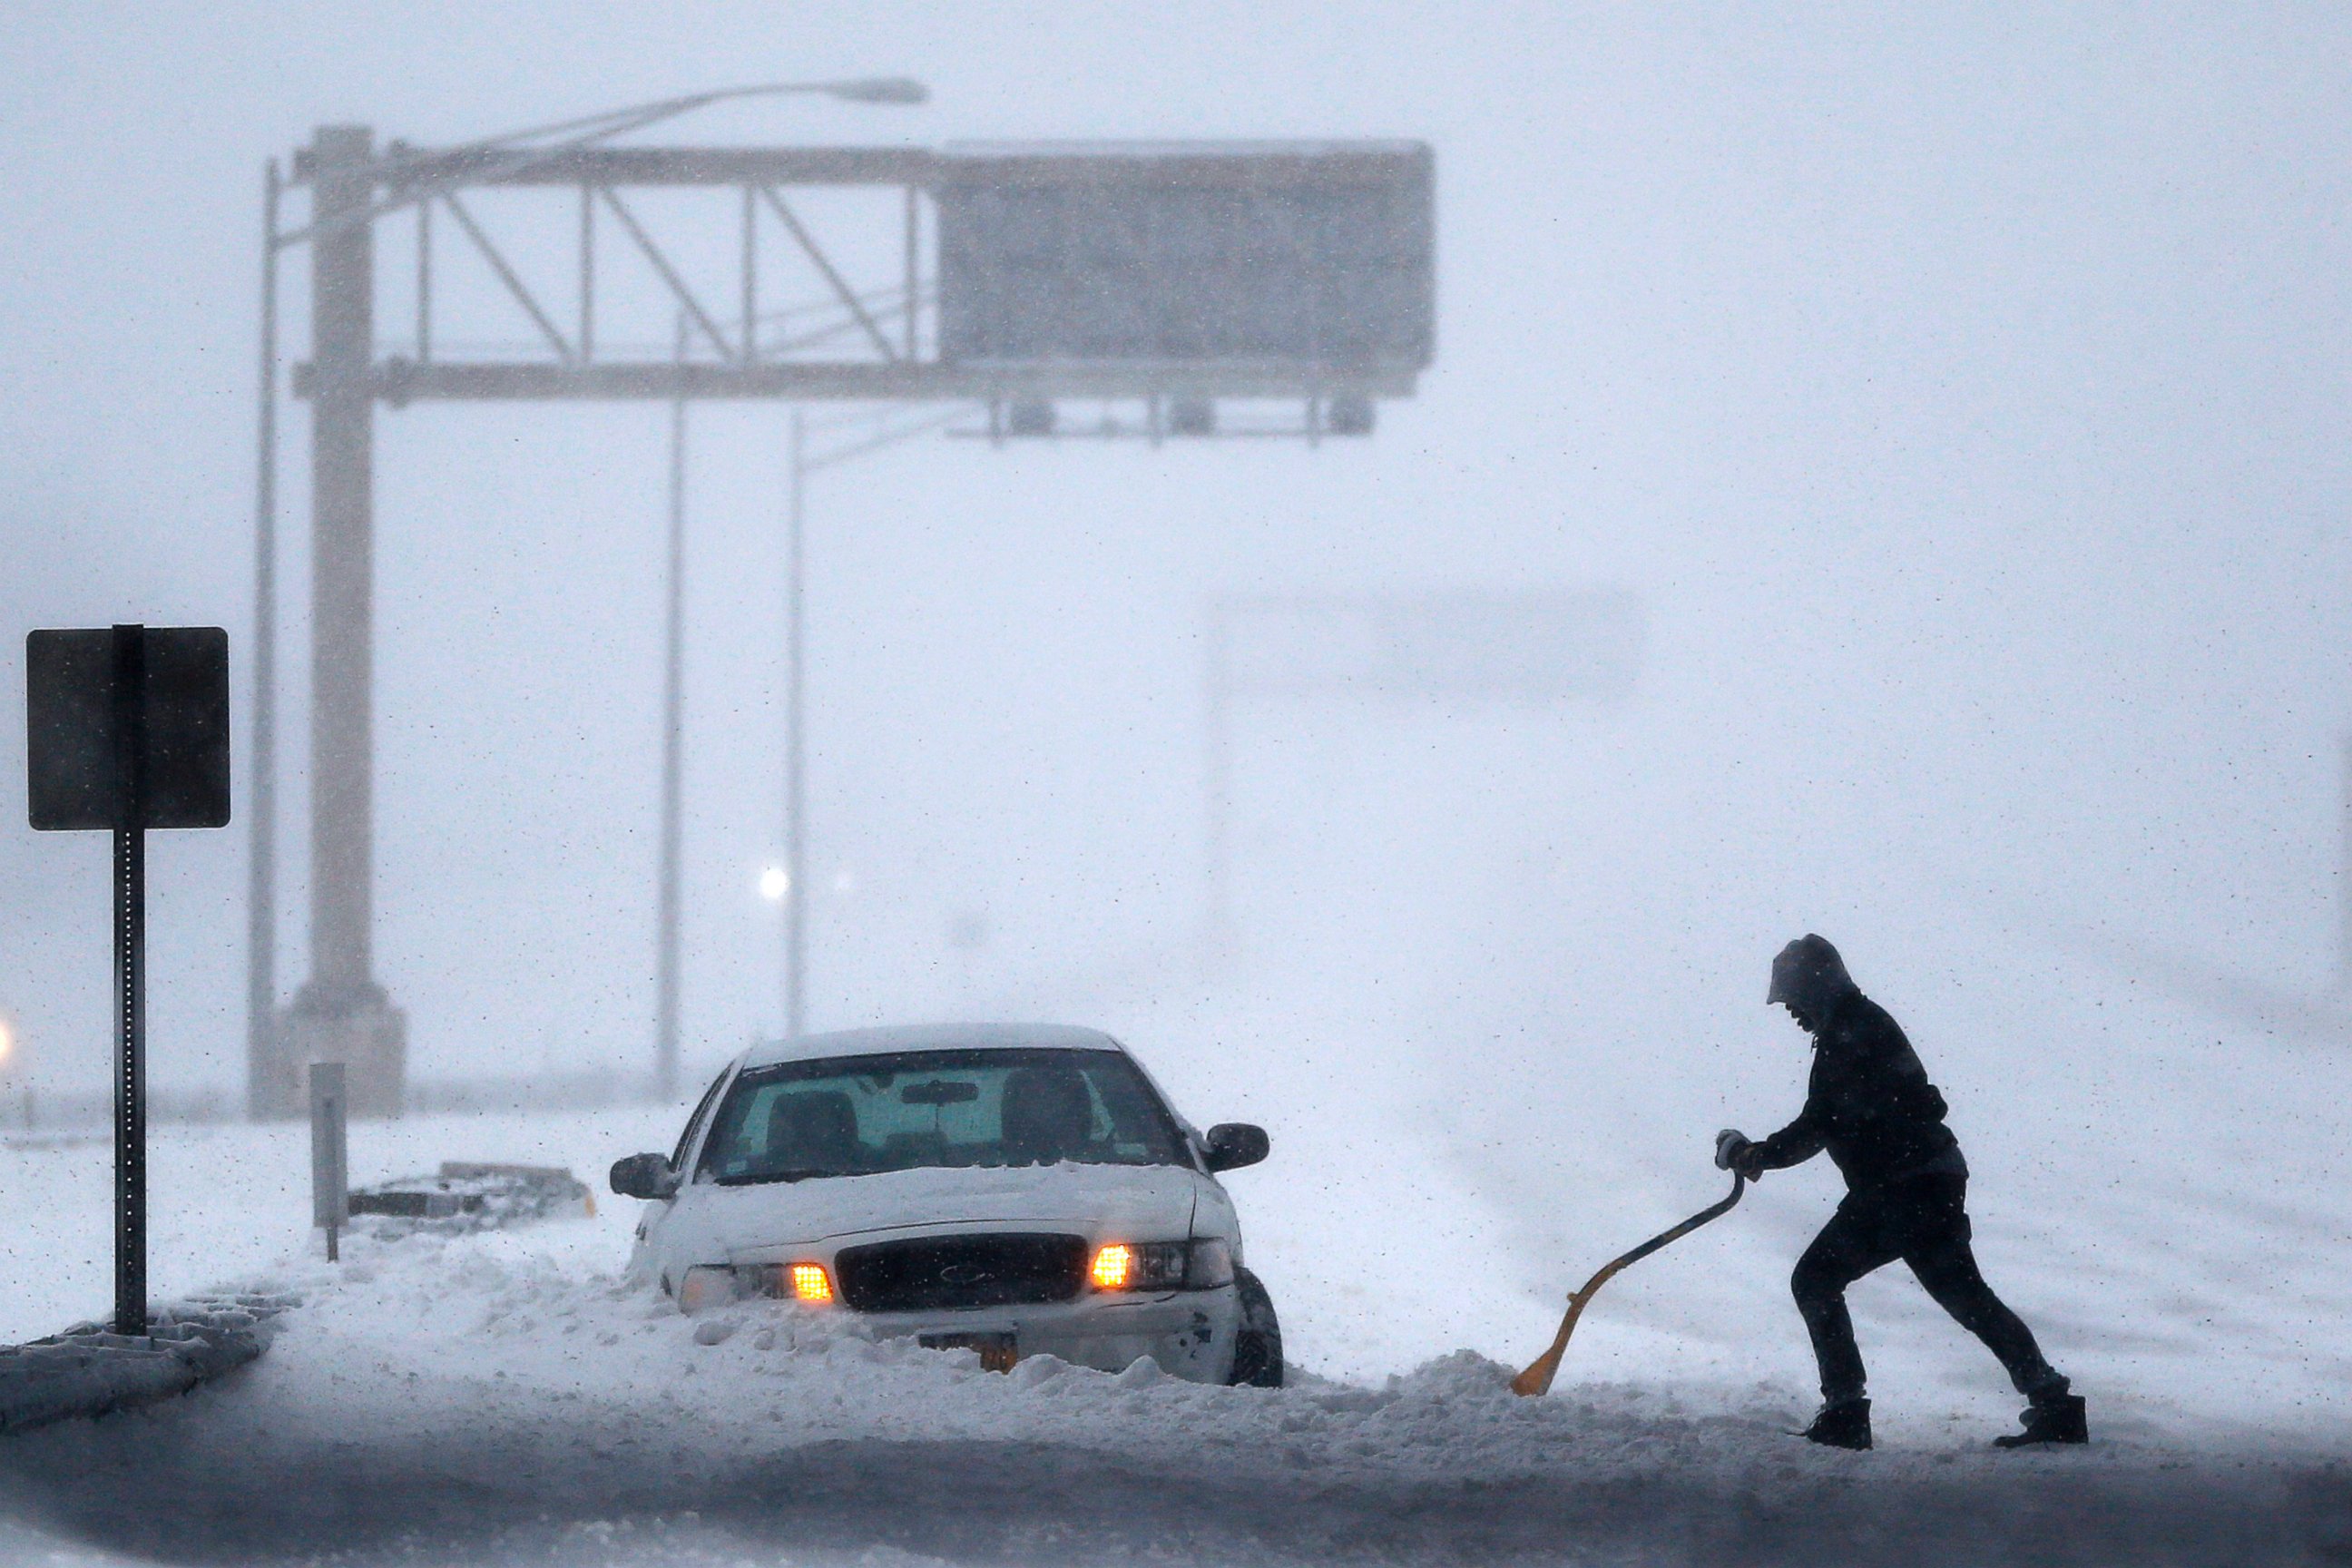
(753, 1178)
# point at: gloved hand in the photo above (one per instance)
(1734, 1151)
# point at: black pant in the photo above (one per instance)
(1924, 1221)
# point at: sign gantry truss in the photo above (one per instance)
(1174, 275)
(899, 341)
(734, 350)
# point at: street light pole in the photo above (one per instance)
(888, 90)
(261, 864)
(666, 960)
(1217, 909)
(795, 739)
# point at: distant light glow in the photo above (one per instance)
(811, 1286)
(774, 883)
(7, 1042)
(1113, 1265)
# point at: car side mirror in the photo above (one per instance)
(646, 1177)
(1233, 1144)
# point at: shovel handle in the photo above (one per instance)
(1537, 1378)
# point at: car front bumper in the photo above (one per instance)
(1189, 1334)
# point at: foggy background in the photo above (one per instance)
(1961, 393)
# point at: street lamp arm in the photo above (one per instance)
(878, 89)
(513, 153)
(599, 127)
(616, 122)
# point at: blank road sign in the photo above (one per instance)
(1314, 255)
(73, 779)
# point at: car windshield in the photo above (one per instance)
(855, 1116)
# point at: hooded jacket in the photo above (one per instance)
(1869, 1102)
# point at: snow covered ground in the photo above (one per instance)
(502, 1398)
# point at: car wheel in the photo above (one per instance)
(1257, 1346)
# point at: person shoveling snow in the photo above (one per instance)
(1869, 1103)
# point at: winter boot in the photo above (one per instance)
(2057, 1419)
(1842, 1423)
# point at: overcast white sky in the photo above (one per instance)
(1962, 389)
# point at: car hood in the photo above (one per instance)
(1140, 1203)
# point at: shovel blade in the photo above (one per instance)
(1536, 1379)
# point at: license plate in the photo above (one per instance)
(998, 1352)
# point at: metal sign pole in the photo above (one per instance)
(127, 729)
(130, 982)
(331, 1184)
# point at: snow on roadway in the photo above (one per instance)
(503, 1398)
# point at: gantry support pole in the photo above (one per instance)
(342, 542)
(340, 1013)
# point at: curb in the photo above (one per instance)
(90, 1371)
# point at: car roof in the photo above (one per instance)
(930, 1037)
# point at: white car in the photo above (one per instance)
(1013, 1189)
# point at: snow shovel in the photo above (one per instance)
(1538, 1378)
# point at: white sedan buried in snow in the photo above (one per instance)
(1011, 1189)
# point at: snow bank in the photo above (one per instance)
(505, 1398)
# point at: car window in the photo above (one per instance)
(694, 1123)
(849, 1116)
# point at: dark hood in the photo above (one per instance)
(1810, 974)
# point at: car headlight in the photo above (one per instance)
(711, 1285)
(705, 1286)
(1203, 1264)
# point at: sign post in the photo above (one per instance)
(127, 729)
(331, 1182)
(128, 716)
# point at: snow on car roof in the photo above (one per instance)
(930, 1037)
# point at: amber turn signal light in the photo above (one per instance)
(1112, 1266)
